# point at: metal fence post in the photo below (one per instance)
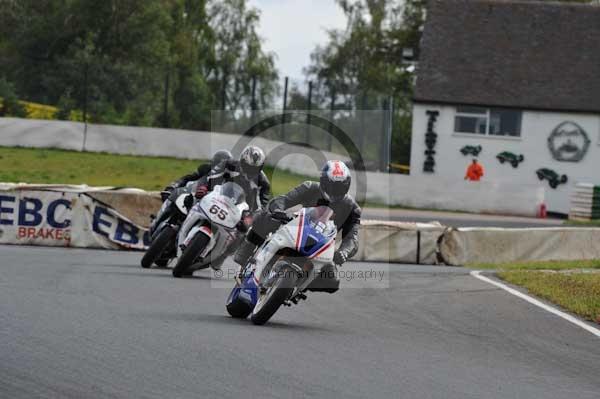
(308, 108)
(85, 104)
(389, 115)
(166, 101)
(361, 134)
(331, 110)
(285, 92)
(253, 102)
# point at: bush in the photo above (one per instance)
(66, 105)
(9, 103)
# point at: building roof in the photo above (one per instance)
(525, 54)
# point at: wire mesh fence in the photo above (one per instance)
(332, 123)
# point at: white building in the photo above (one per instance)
(515, 85)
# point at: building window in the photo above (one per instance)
(488, 121)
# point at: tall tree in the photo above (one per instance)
(365, 62)
(141, 62)
(239, 57)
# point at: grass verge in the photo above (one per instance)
(577, 292)
(583, 223)
(46, 166)
(573, 285)
(543, 265)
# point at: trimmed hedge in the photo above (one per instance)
(41, 111)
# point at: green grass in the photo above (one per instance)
(583, 223)
(576, 292)
(542, 265)
(565, 283)
(43, 166)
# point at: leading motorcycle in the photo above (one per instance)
(285, 265)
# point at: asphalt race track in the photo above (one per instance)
(93, 324)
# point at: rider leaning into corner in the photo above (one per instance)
(169, 194)
(332, 191)
(203, 170)
(247, 172)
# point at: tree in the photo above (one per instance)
(139, 62)
(364, 62)
(239, 57)
(9, 103)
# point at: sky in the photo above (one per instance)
(292, 28)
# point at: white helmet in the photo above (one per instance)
(252, 160)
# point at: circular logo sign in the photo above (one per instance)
(568, 142)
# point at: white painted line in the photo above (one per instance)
(568, 317)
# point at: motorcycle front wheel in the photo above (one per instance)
(189, 255)
(281, 289)
(158, 246)
(237, 308)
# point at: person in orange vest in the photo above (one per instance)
(474, 171)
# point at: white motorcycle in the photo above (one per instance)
(285, 265)
(212, 225)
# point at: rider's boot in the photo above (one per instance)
(244, 252)
(326, 281)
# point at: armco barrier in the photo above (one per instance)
(494, 245)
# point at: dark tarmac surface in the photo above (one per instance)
(93, 324)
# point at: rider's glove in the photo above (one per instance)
(201, 190)
(340, 257)
(246, 222)
(164, 195)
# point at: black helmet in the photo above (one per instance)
(335, 180)
(220, 156)
(252, 160)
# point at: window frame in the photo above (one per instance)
(487, 114)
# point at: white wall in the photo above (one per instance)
(536, 127)
(150, 141)
(434, 192)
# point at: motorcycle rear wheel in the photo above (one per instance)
(189, 255)
(158, 246)
(275, 295)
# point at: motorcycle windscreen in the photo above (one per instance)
(315, 234)
(234, 192)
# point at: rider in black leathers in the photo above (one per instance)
(331, 191)
(170, 193)
(203, 170)
(247, 172)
